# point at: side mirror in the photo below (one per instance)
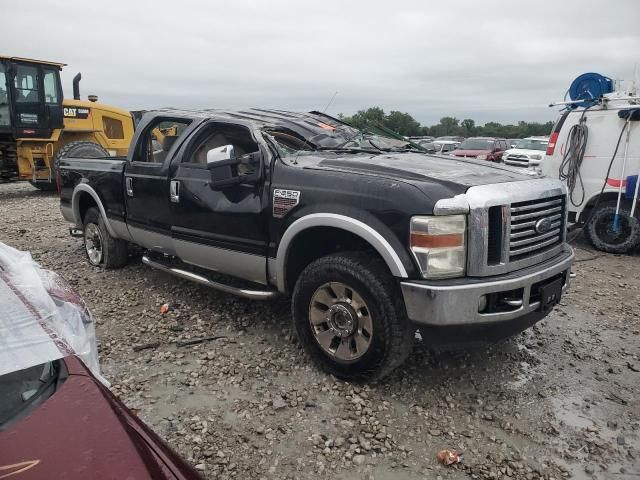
(227, 169)
(220, 154)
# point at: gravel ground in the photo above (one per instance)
(561, 400)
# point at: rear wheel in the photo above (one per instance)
(101, 248)
(607, 234)
(349, 316)
(78, 149)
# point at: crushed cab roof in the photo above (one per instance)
(313, 122)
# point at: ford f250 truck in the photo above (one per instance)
(371, 238)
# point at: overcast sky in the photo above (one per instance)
(486, 60)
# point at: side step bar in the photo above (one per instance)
(194, 277)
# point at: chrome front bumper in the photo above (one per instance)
(455, 302)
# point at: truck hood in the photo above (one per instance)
(424, 170)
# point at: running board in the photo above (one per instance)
(194, 277)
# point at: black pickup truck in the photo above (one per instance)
(371, 238)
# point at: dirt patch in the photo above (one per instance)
(561, 400)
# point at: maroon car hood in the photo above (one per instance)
(469, 153)
(83, 432)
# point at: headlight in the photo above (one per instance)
(481, 157)
(438, 245)
(536, 157)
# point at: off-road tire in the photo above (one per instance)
(392, 337)
(603, 214)
(77, 149)
(114, 251)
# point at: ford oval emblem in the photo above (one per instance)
(543, 225)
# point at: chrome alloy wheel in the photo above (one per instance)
(93, 243)
(340, 321)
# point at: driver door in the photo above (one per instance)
(224, 227)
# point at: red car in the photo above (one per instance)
(57, 419)
(482, 148)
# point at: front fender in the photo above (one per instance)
(380, 238)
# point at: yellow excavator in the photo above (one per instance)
(38, 126)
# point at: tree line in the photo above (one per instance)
(404, 124)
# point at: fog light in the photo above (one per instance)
(482, 303)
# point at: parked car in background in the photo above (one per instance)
(528, 152)
(449, 138)
(422, 139)
(58, 419)
(441, 146)
(482, 148)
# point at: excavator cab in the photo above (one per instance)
(38, 127)
(30, 98)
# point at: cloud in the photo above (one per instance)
(491, 60)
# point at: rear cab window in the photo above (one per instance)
(158, 140)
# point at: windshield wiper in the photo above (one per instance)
(349, 149)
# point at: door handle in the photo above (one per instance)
(174, 191)
(129, 186)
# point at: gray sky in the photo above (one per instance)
(486, 60)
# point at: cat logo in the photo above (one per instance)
(76, 112)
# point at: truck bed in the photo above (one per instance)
(104, 175)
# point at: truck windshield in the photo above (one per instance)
(290, 144)
(4, 97)
(529, 144)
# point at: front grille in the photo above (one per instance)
(536, 226)
(517, 160)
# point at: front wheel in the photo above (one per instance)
(101, 248)
(349, 316)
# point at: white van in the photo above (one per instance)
(595, 183)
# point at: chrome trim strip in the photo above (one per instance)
(557, 201)
(68, 215)
(433, 304)
(121, 229)
(537, 238)
(75, 202)
(231, 262)
(349, 224)
(531, 248)
(194, 277)
(272, 273)
(524, 233)
(524, 216)
(452, 206)
(152, 240)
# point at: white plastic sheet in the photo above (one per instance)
(41, 317)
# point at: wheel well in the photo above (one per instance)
(605, 197)
(316, 242)
(85, 202)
